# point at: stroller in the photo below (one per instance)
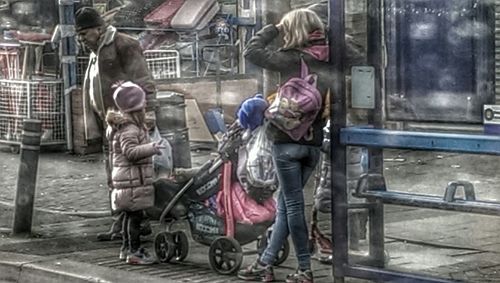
(222, 234)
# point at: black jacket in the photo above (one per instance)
(287, 63)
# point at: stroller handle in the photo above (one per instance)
(210, 166)
(231, 141)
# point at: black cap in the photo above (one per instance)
(87, 17)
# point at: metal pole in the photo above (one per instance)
(68, 60)
(338, 116)
(218, 88)
(376, 212)
(26, 180)
(196, 55)
(245, 35)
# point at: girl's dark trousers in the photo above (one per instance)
(131, 230)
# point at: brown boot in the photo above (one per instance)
(114, 233)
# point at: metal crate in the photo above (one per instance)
(10, 62)
(163, 64)
(43, 100)
(81, 67)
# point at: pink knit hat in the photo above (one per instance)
(129, 97)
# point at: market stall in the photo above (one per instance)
(30, 86)
(40, 59)
(183, 26)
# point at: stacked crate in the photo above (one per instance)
(497, 51)
(33, 99)
(80, 144)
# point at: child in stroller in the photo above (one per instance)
(194, 201)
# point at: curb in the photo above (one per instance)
(37, 269)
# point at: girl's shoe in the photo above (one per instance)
(140, 257)
(305, 276)
(123, 253)
(257, 272)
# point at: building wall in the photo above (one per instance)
(233, 92)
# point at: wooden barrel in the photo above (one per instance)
(171, 122)
(179, 141)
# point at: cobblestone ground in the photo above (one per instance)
(459, 246)
(62, 179)
(66, 183)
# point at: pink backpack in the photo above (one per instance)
(297, 104)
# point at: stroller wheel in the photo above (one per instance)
(312, 246)
(261, 244)
(181, 245)
(225, 255)
(164, 246)
(282, 253)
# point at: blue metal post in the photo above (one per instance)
(338, 151)
(376, 212)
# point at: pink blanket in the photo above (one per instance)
(245, 209)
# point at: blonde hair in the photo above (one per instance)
(138, 117)
(297, 25)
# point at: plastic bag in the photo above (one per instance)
(255, 169)
(259, 194)
(163, 164)
(259, 165)
(323, 193)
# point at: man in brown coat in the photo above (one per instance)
(115, 57)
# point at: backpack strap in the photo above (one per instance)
(304, 69)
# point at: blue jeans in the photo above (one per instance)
(294, 164)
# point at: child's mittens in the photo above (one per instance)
(251, 112)
(109, 132)
(158, 146)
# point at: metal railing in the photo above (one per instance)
(163, 64)
(42, 100)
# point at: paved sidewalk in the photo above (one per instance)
(71, 207)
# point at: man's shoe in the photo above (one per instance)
(257, 272)
(114, 233)
(109, 236)
(141, 257)
(305, 276)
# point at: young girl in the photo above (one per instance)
(132, 167)
(304, 37)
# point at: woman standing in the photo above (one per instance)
(304, 38)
